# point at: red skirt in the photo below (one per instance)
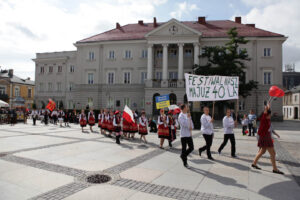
(104, 125)
(110, 126)
(143, 130)
(163, 131)
(126, 126)
(265, 141)
(91, 121)
(99, 123)
(82, 123)
(134, 128)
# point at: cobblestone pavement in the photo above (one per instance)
(78, 185)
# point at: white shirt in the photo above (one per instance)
(245, 122)
(54, 113)
(207, 127)
(185, 125)
(161, 122)
(82, 116)
(115, 122)
(228, 125)
(143, 121)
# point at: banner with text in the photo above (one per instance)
(162, 101)
(211, 88)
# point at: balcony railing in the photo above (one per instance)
(172, 84)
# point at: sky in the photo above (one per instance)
(36, 26)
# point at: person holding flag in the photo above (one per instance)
(163, 129)
(82, 120)
(117, 126)
(128, 119)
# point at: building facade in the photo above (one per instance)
(15, 90)
(291, 103)
(131, 64)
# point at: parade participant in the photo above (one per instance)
(134, 126)
(143, 124)
(228, 125)
(126, 129)
(265, 140)
(100, 116)
(207, 132)
(104, 121)
(186, 127)
(34, 115)
(172, 128)
(67, 117)
(61, 115)
(82, 120)
(110, 125)
(163, 129)
(46, 116)
(54, 115)
(252, 120)
(245, 124)
(117, 126)
(91, 119)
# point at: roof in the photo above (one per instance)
(212, 29)
(16, 79)
(295, 89)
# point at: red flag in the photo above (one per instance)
(128, 115)
(51, 105)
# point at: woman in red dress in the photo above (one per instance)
(265, 140)
(163, 129)
(82, 120)
(110, 126)
(91, 119)
(100, 115)
(143, 124)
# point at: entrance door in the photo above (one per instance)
(296, 113)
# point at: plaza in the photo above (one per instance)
(49, 162)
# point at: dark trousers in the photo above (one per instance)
(232, 141)
(186, 141)
(251, 130)
(34, 120)
(208, 140)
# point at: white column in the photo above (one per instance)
(180, 61)
(196, 53)
(165, 62)
(149, 63)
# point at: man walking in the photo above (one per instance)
(186, 127)
(207, 132)
(228, 125)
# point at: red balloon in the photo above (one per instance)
(273, 91)
(281, 93)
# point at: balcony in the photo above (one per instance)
(172, 83)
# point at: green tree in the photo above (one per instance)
(4, 97)
(228, 60)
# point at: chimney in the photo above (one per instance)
(154, 22)
(141, 22)
(118, 25)
(252, 25)
(238, 20)
(10, 73)
(201, 20)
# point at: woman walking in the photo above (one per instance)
(163, 129)
(143, 124)
(207, 130)
(82, 120)
(265, 140)
(91, 119)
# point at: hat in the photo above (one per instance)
(117, 112)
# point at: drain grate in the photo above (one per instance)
(98, 178)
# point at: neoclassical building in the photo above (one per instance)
(132, 64)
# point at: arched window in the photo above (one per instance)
(173, 98)
(154, 110)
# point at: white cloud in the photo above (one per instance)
(31, 26)
(282, 17)
(183, 8)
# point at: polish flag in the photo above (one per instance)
(128, 115)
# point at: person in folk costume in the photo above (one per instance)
(172, 128)
(163, 129)
(34, 115)
(143, 124)
(91, 119)
(126, 128)
(110, 125)
(82, 120)
(46, 116)
(117, 126)
(54, 116)
(104, 121)
(100, 116)
(61, 115)
(134, 126)
(66, 117)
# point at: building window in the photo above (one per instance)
(111, 55)
(126, 101)
(110, 102)
(159, 53)
(17, 91)
(127, 54)
(143, 103)
(90, 78)
(158, 75)
(72, 68)
(71, 105)
(144, 53)
(42, 70)
(41, 87)
(173, 53)
(2, 89)
(173, 75)
(126, 77)
(59, 69)
(203, 51)
(29, 92)
(58, 86)
(143, 77)
(49, 86)
(188, 52)
(296, 98)
(110, 78)
(267, 52)
(241, 105)
(90, 102)
(50, 69)
(267, 78)
(91, 55)
(71, 86)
